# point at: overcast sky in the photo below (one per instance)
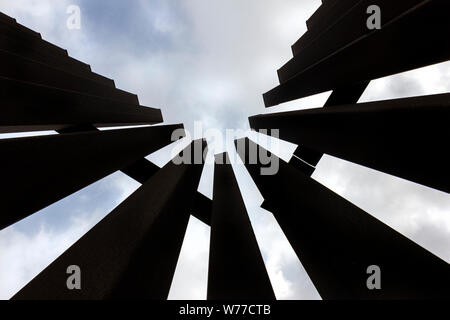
(210, 61)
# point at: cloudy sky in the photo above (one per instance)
(210, 61)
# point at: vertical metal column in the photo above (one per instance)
(236, 267)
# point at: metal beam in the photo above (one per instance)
(312, 33)
(18, 68)
(12, 23)
(337, 241)
(26, 35)
(36, 52)
(404, 137)
(30, 107)
(202, 208)
(328, 12)
(349, 94)
(45, 169)
(333, 35)
(236, 268)
(376, 55)
(143, 169)
(132, 253)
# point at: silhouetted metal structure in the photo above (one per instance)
(236, 267)
(335, 240)
(133, 251)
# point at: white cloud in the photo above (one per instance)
(24, 255)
